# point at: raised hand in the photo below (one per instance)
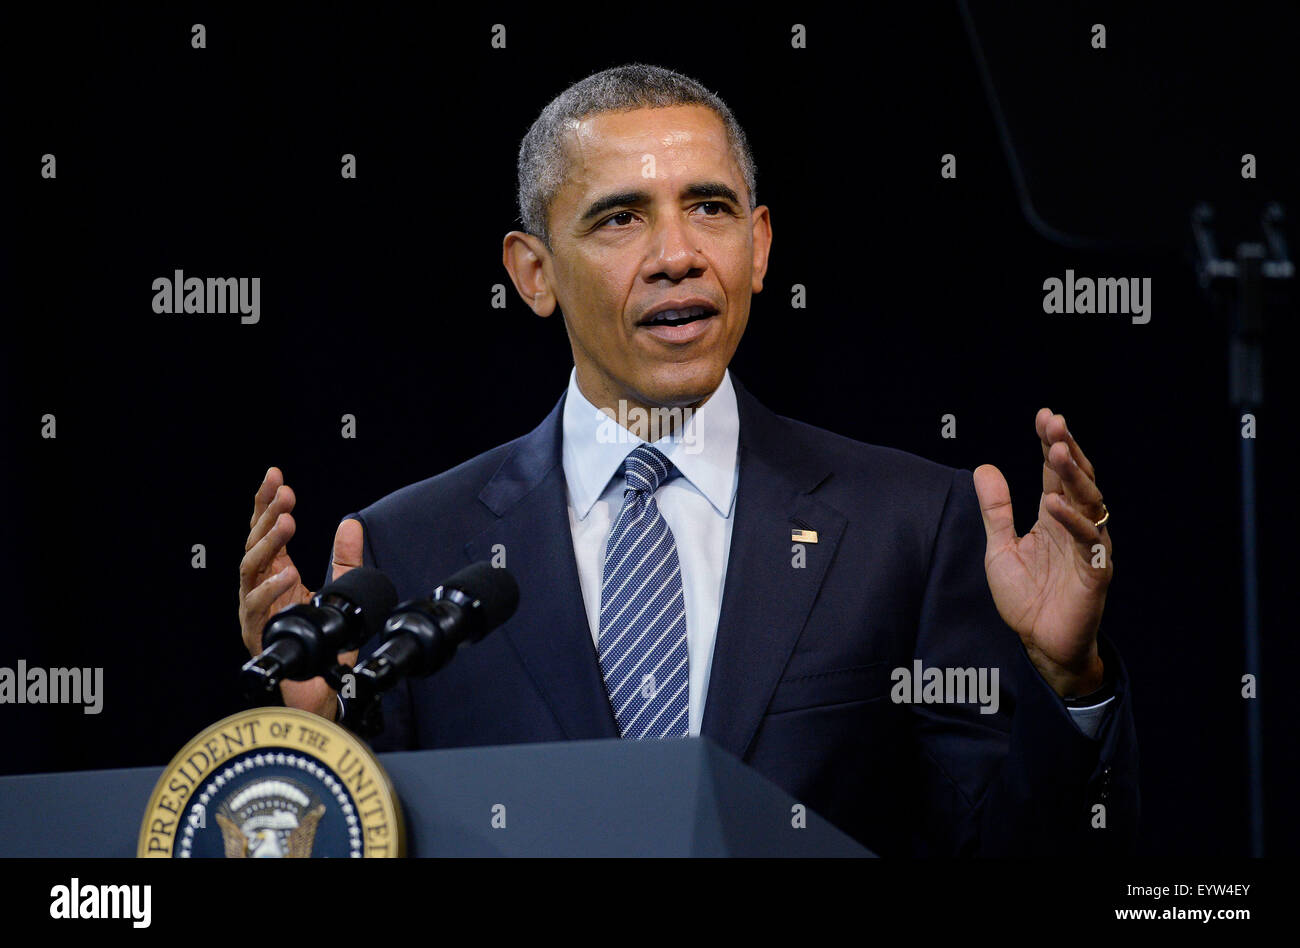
(1050, 584)
(269, 582)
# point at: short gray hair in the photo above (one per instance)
(543, 163)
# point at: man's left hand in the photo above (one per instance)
(1045, 584)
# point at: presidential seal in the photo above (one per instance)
(277, 783)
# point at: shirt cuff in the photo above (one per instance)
(1089, 719)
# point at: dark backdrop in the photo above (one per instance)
(924, 298)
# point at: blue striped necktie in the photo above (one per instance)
(643, 610)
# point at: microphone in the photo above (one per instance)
(303, 641)
(422, 635)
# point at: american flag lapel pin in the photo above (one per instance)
(803, 536)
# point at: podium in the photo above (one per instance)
(673, 798)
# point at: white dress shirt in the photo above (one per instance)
(698, 501)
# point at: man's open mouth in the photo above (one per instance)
(678, 317)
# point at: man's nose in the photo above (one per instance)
(674, 251)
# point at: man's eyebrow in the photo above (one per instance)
(711, 189)
(699, 189)
(620, 199)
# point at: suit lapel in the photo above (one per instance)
(549, 632)
(766, 597)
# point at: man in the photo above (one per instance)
(746, 577)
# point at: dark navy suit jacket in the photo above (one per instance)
(801, 677)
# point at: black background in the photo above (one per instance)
(924, 298)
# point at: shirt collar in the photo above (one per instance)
(595, 446)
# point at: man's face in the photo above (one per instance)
(654, 214)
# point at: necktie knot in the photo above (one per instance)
(646, 468)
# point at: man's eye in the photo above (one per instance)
(615, 217)
(717, 205)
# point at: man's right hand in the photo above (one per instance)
(269, 582)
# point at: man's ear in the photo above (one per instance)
(528, 262)
(762, 218)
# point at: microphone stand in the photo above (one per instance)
(364, 715)
(1242, 286)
